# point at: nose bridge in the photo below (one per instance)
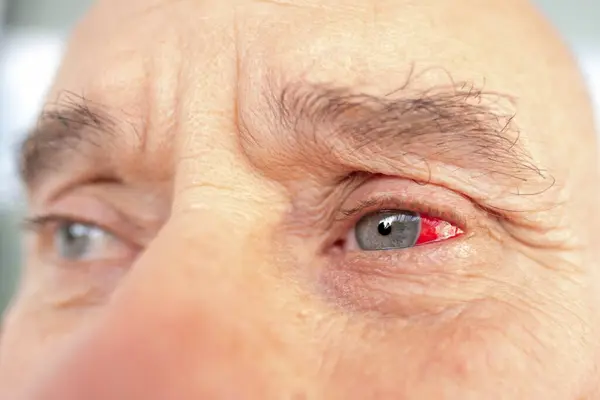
(185, 322)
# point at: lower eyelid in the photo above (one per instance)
(79, 286)
(401, 284)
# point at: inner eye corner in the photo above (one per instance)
(340, 243)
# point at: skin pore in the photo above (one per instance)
(203, 171)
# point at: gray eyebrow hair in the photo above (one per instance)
(61, 129)
(456, 124)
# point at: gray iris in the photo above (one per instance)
(387, 230)
(73, 240)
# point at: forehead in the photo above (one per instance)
(125, 47)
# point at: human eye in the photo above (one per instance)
(81, 242)
(69, 241)
(395, 243)
(388, 214)
(396, 229)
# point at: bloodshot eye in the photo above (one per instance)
(398, 229)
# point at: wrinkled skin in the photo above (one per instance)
(224, 277)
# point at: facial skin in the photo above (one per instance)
(222, 153)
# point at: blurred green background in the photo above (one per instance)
(32, 36)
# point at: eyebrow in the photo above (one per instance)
(63, 129)
(458, 125)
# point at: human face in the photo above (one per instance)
(309, 200)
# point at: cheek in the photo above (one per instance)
(32, 334)
(23, 347)
(481, 349)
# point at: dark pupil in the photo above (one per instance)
(384, 228)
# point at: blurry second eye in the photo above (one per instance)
(386, 230)
(76, 241)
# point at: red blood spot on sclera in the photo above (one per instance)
(435, 230)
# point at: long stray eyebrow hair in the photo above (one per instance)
(455, 124)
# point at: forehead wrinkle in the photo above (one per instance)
(340, 6)
(140, 80)
(118, 11)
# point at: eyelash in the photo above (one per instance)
(43, 223)
(46, 229)
(349, 217)
(389, 203)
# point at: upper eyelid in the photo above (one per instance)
(380, 203)
(134, 214)
(374, 192)
(363, 205)
(50, 223)
(38, 224)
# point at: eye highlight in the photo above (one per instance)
(398, 229)
(78, 241)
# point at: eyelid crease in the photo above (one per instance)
(38, 224)
(388, 202)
